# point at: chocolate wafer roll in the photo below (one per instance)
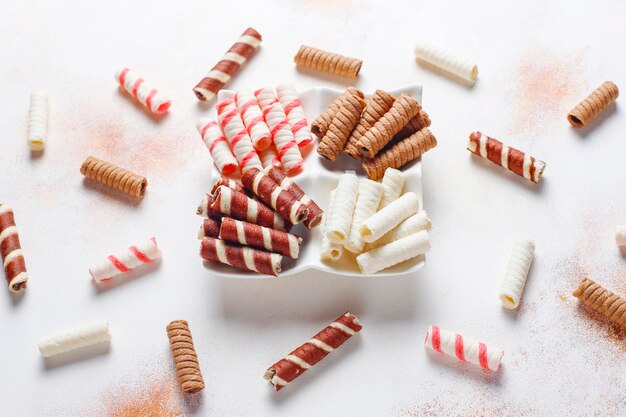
(227, 182)
(328, 62)
(416, 124)
(320, 125)
(313, 351)
(345, 120)
(249, 234)
(205, 210)
(113, 176)
(275, 196)
(593, 105)
(185, 357)
(315, 212)
(231, 203)
(602, 301)
(11, 251)
(241, 257)
(209, 228)
(508, 158)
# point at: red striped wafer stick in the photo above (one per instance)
(11, 251)
(269, 157)
(144, 93)
(250, 234)
(209, 228)
(288, 97)
(205, 210)
(313, 351)
(218, 146)
(253, 120)
(228, 66)
(240, 256)
(126, 260)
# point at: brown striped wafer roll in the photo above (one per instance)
(400, 154)
(328, 62)
(416, 124)
(231, 62)
(315, 212)
(345, 120)
(185, 357)
(209, 228)
(275, 196)
(313, 351)
(602, 301)
(114, 176)
(205, 210)
(234, 204)
(508, 158)
(249, 234)
(11, 251)
(241, 257)
(227, 182)
(320, 125)
(593, 105)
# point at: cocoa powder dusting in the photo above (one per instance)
(157, 400)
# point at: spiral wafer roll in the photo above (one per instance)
(321, 123)
(416, 124)
(185, 358)
(318, 59)
(242, 257)
(341, 127)
(593, 105)
(403, 109)
(400, 154)
(11, 251)
(602, 301)
(113, 176)
(38, 120)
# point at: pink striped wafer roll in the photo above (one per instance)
(276, 119)
(463, 348)
(288, 97)
(269, 157)
(253, 120)
(125, 261)
(234, 129)
(142, 91)
(217, 145)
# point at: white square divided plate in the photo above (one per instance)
(318, 178)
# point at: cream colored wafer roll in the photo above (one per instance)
(393, 253)
(413, 224)
(393, 183)
(389, 217)
(514, 280)
(367, 202)
(435, 55)
(38, 120)
(329, 251)
(75, 338)
(340, 218)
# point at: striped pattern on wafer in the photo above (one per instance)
(218, 146)
(143, 92)
(250, 234)
(288, 97)
(237, 134)
(125, 261)
(253, 120)
(11, 251)
(241, 257)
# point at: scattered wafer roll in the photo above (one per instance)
(231, 62)
(508, 158)
(205, 210)
(75, 338)
(404, 108)
(320, 125)
(463, 348)
(393, 183)
(38, 120)
(185, 357)
(416, 124)
(440, 58)
(516, 273)
(376, 107)
(381, 222)
(313, 351)
(269, 157)
(315, 212)
(340, 216)
(393, 253)
(218, 146)
(241, 257)
(11, 251)
(289, 99)
(253, 119)
(346, 118)
(601, 300)
(250, 234)
(593, 105)
(235, 204)
(620, 235)
(113, 176)
(143, 92)
(370, 193)
(329, 251)
(328, 62)
(209, 228)
(417, 222)
(126, 260)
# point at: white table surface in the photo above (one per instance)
(536, 60)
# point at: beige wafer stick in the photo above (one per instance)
(113, 176)
(345, 120)
(328, 62)
(593, 105)
(185, 358)
(602, 300)
(321, 123)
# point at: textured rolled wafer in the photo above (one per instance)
(205, 210)
(346, 118)
(328, 62)
(393, 253)
(253, 119)
(288, 97)
(142, 91)
(320, 125)
(340, 216)
(416, 124)
(269, 157)
(463, 348)
(235, 204)
(516, 273)
(508, 158)
(209, 228)
(125, 260)
(38, 120)
(228, 182)
(315, 212)
(218, 146)
(448, 62)
(417, 222)
(381, 222)
(393, 183)
(241, 257)
(329, 251)
(11, 251)
(227, 67)
(620, 235)
(601, 300)
(370, 193)
(593, 104)
(113, 176)
(74, 338)
(250, 234)
(185, 357)
(313, 351)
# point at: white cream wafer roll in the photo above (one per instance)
(393, 183)
(393, 253)
(415, 223)
(329, 251)
(389, 217)
(620, 235)
(367, 202)
(514, 280)
(288, 97)
(218, 146)
(38, 120)
(126, 260)
(435, 55)
(75, 338)
(144, 93)
(340, 218)
(269, 157)
(253, 119)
